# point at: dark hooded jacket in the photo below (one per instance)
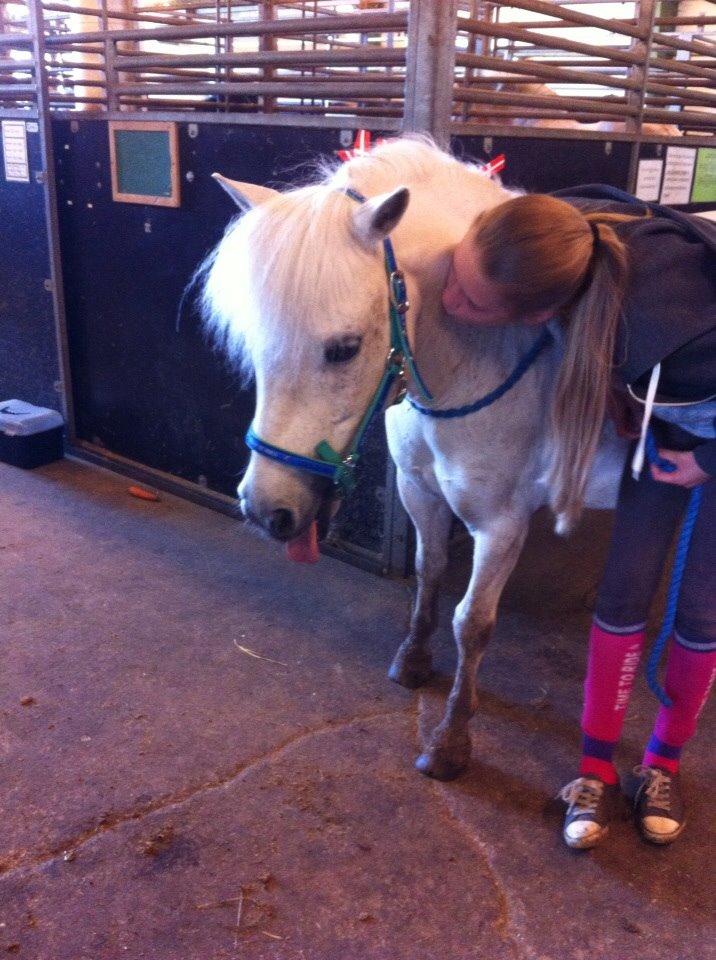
(669, 313)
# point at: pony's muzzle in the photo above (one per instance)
(282, 502)
(280, 523)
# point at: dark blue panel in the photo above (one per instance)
(28, 352)
(540, 165)
(143, 390)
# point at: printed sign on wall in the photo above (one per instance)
(678, 174)
(704, 190)
(648, 179)
(14, 148)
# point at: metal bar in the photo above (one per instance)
(646, 11)
(364, 22)
(536, 69)
(697, 20)
(75, 65)
(339, 121)
(36, 24)
(566, 104)
(267, 44)
(681, 118)
(702, 97)
(541, 39)
(430, 67)
(574, 17)
(279, 58)
(72, 98)
(87, 452)
(681, 66)
(458, 128)
(110, 70)
(17, 65)
(292, 88)
(131, 17)
(693, 46)
(245, 74)
(685, 82)
(19, 40)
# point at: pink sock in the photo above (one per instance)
(689, 674)
(613, 661)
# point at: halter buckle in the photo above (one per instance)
(396, 358)
(402, 390)
(398, 291)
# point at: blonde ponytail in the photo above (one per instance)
(580, 397)
(544, 253)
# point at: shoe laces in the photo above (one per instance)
(656, 784)
(582, 794)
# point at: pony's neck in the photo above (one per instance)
(459, 362)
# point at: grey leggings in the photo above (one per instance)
(647, 517)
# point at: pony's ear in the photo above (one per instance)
(245, 195)
(374, 219)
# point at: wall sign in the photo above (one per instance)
(704, 189)
(678, 174)
(144, 161)
(648, 179)
(14, 148)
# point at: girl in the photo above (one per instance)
(633, 287)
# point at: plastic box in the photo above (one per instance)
(29, 436)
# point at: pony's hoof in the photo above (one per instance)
(411, 673)
(441, 766)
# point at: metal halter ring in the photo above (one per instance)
(398, 291)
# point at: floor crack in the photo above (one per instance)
(504, 923)
(25, 861)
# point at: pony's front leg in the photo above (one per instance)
(412, 665)
(496, 549)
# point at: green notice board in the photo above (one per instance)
(144, 162)
(704, 188)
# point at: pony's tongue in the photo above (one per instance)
(304, 549)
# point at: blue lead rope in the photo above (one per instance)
(542, 341)
(677, 574)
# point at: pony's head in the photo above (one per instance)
(296, 293)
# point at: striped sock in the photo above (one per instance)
(613, 661)
(690, 670)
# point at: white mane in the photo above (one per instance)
(288, 269)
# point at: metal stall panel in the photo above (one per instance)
(143, 390)
(29, 367)
(549, 163)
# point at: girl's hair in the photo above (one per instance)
(544, 253)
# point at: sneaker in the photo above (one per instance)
(658, 806)
(590, 804)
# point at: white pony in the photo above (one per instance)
(296, 292)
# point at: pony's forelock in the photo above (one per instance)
(291, 267)
(254, 297)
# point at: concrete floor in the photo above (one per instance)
(165, 795)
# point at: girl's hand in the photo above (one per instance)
(687, 474)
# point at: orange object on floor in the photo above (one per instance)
(143, 494)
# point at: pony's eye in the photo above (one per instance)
(341, 349)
